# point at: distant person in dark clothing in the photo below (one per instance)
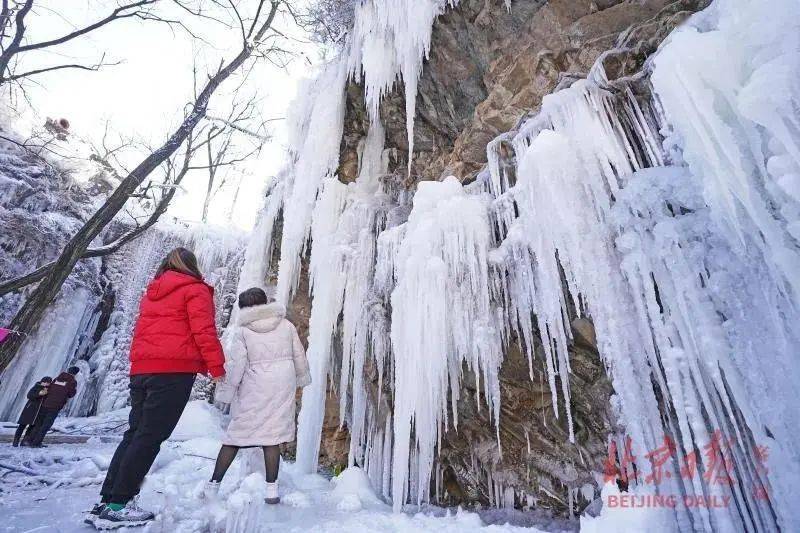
(62, 389)
(32, 409)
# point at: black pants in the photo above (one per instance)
(21, 431)
(43, 424)
(157, 401)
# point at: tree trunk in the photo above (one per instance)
(29, 315)
(37, 275)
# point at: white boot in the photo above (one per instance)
(211, 491)
(272, 493)
(214, 507)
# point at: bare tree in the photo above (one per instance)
(13, 36)
(328, 21)
(258, 39)
(239, 136)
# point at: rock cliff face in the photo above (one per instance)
(490, 67)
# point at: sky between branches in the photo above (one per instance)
(143, 96)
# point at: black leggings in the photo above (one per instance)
(272, 459)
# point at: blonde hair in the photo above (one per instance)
(180, 260)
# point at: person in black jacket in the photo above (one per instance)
(32, 409)
(62, 389)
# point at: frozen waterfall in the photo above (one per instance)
(94, 331)
(671, 221)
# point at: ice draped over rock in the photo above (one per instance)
(442, 317)
(670, 220)
(317, 120)
(389, 42)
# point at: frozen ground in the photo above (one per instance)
(49, 489)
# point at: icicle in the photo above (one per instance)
(442, 271)
(738, 123)
(316, 129)
(391, 39)
(259, 248)
(642, 254)
(327, 283)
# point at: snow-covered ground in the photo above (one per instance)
(50, 489)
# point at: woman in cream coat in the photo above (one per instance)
(264, 367)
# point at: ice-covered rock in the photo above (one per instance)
(632, 205)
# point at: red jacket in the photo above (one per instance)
(175, 331)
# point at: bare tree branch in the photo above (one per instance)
(237, 127)
(255, 19)
(241, 119)
(199, 13)
(31, 312)
(124, 11)
(239, 18)
(34, 72)
(11, 51)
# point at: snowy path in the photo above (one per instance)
(59, 483)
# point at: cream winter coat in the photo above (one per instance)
(264, 367)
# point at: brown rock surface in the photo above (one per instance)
(489, 68)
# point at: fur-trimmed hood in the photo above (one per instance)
(262, 318)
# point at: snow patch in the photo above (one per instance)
(200, 419)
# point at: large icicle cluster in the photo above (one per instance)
(671, 222)
(327, 283)
(347, 222)
(391, 39)
(688, 271)
(570, 161)
(389, 42)
(315, 156)
(738, 121)
(442, 316)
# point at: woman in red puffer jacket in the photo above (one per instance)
(175, 338)
(176, 331)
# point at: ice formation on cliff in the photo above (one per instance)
(671, 223)
(43, 200)
(442, 317)
(94, 331)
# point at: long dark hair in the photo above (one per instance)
(180, 260)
